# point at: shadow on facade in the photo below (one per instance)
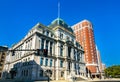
(27, 71)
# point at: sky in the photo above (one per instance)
(17, 17)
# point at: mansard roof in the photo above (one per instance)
(60, 22)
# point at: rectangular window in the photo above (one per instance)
(74, 54)
(62, 73)
(61, 63)
(61, 50)
(51, 44)
(41, 73)
(47, 44)
(79, 57)
(46, 62)
(50, 62)
(52, 35)
(69, 66)
(69, 52)
(75, 66)
(61, 35)
(41, 61)
(42, 44)
(47, 33)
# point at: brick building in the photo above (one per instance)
(85, 36)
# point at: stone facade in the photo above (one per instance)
(3, 52)
(65, 55)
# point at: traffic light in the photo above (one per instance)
(45, 52)
(13, 53)
(38, 52)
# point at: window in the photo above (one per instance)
(47, 44)
(61, 50)
(75, 66)
(69, 66)
(51, 35)
(61, 63)
(41, 61)
(69, 52)
(41, 73)
(22, 73)
(47, 33)
(46, 62)
(78, 57)
(50, 62)
(42, 44)
(26, 72)
(74, 54)
(51, 44)
(61, 35)
(62, 74)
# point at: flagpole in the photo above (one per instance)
(58, 9)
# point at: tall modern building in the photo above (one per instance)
(60, 55)
(85, 36)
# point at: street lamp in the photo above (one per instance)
(48, 73)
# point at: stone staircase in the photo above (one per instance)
(82, 77)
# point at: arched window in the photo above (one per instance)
(62, 74)
(41, 73)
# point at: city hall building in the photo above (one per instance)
(46, 51)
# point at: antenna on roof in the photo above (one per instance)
(58, 9)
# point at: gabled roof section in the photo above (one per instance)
(60, 22)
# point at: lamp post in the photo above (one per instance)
(48, 72)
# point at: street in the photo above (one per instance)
(103, 80)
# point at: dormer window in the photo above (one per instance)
(61, 35)
(47, 33)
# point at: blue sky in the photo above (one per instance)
(17, 17)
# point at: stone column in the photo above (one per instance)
(40, 42)
(54, 69)
(66, 62)
(49, 48)
(53, 48)
(58, 46)
(48, 61)
(34, 42)
(44, 59)
(57, 69)
(83, 58)
(72, 53)
(66, 70)
(37, 43)
(72, 68)
(66, 51)
(44, 44)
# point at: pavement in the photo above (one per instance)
(90, 80)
